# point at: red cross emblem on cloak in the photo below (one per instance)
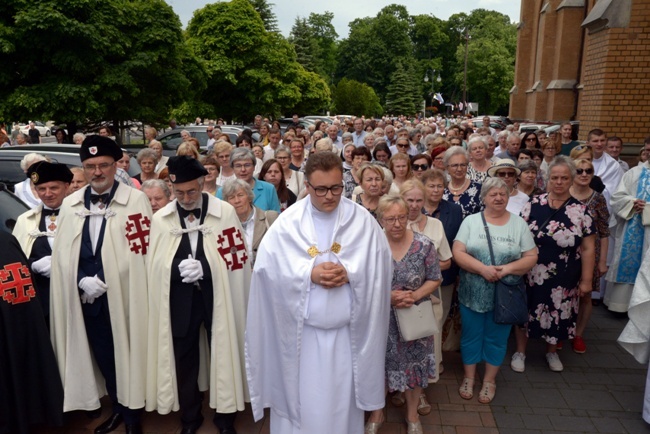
(137, 233)
(232, 249)
(16, 284)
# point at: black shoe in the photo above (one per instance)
(110, 424)
(189, 431)
(230, 430)
(135, 428)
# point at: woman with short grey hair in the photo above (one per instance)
(242, 161)
(477, 149)
(254, 220)
(158, 193)
(147, 159)
(294, 179)
(78, 138)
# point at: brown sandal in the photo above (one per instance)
(487, 392)
(466, 389)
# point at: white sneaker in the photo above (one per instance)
(518, 362)
(554, 362)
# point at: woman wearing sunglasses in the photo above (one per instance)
(509, 172)
(597, 206)
(420, 164)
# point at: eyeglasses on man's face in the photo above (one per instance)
(321, 191)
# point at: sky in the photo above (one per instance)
(346, 11)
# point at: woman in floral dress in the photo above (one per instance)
(461, 190)
(565, 234)
(416, 275)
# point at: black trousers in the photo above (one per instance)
(100, 339)
(186, 356)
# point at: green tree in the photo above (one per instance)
(491, 60)
(78, 60)
(265, 10)
(250, 70)
(355, 98)
(325, 35)
(304, 42)
(375, 46)
(403, 94)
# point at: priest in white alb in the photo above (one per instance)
(318, 311)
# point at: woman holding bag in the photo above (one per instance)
(514, 254)
(416, 275)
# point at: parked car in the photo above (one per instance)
(171, 139)
(10, 158)
(10, 208)
(40, 126)
(319, 118)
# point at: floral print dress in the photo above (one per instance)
(552, 284)
(410, 364)
(469, 200)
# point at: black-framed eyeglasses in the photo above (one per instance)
(419, 166)
(587, 171)
(336, 190)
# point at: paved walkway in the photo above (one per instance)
(600, 391)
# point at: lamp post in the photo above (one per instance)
(433, 78)
(466, 31)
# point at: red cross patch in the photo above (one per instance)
(232, 249)
(137, 233)
(16, 284)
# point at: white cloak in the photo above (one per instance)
(618, 294)
(279, 291)
(124, 264)
(26, 224)
(609, 171)
(222, 370)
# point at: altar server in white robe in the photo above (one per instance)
(631, 206)
(199, 276)
(98, 298)
(635, 337)
(318, 311)
(605, 167)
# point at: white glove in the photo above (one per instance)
(43, 266)
(93, 287)
(191, 270)
(86, 299)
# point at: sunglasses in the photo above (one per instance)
(506, 174)
(587, 171)
(419, 166)
(402, 145)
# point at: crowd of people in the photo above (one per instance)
(287, 272)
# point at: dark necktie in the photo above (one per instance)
(186, 212)
(49, 212)
(103, 198)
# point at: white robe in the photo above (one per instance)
(279, 340)
(222, 364)
(24, 191)
(617, 295)
(26, 228)
(124, 264)
(635, 337)
(609, 171)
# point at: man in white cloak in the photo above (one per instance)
(635, 337)
(630, 204)
(318, 311)
(605, 167)
(35, 229)
(98, 310)
(199, 276)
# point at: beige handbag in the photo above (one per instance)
(417, 321)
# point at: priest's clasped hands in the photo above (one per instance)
(638, 206)
(329, 275)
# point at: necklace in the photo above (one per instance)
(456, 190)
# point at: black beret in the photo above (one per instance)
(183, 169)
(43, 171)
(98, 146)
